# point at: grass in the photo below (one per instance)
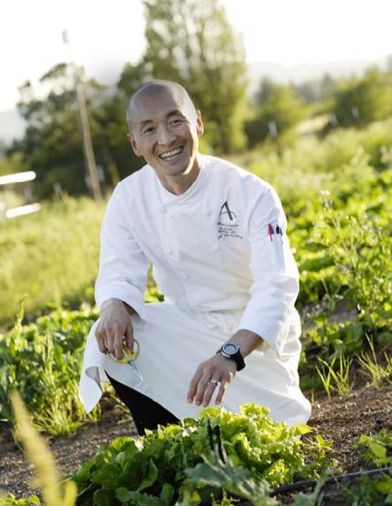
(379, 374)
(336, 379)
(49, 256)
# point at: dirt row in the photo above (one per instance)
(341, 420)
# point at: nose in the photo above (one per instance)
(165, 136)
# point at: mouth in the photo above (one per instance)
(172, 154)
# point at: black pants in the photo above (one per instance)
(146, 413)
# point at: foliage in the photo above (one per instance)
(361, 101)
(52, 144)
(316, 90)
(337, 195)
(339, 227)
(336, 379)
(171, 463)
(376, 451)
(350, 263)
(283, 108)
(233, 480)
(42, 361)
(49, 256)
(11, 500)
(193, 43)
(39, 455)
(52, 139)
(10, 164)
(379, 374)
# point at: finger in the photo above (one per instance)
(193, 385)
(100, 337)
(115, 341)
(223, 387)
(221, 392)
(118, 345)
(129, 337)
(208, 392)
(201, 388)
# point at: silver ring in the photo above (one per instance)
(216, 382)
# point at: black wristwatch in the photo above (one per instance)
(232, 352)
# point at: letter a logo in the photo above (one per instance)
(226, 215)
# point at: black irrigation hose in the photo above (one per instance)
(218, 449)
(300, 485)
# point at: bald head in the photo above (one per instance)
(153, 89)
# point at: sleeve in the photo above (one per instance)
(275, 275)
(122, 266)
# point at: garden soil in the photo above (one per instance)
(340, 419)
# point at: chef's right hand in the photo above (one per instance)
(114, 328)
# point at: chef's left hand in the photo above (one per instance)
(213, 374)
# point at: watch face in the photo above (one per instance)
(230, 348)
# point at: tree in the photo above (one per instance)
(361, 101)
(316, 90)
(278, 116)
(192, 42)
(52, 144)
(264, 91)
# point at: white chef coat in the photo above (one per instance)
(221, 257)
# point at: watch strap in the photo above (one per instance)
(236, 357)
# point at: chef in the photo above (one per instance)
(227, 332)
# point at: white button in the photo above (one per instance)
(163, 210)
(184, 276)
(215, 247)
(207, 212)
(170, 252)
(210, 326)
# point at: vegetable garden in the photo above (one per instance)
(337, 194)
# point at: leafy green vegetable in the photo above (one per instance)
(213, 477)
(176, 463)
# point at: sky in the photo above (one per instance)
(105, 35)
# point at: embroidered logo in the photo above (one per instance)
(227, 222)
(226, 215)
(274, 229)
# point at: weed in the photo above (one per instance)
(42, 361)
(378, 373)
(336, 380)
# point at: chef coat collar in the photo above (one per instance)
(167, 197)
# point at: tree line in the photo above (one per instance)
(192, 42)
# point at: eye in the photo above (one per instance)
(148, 130)
(176, 121)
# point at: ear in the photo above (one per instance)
(199, 124)
(133, 144)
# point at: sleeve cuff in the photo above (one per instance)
(128, 294)
(274, 333)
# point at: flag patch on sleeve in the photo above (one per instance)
(274, 229)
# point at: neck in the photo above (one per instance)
(179, 184)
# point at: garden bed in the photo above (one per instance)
(340, 419)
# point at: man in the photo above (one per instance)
(228, 331)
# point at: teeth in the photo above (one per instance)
(170, 154)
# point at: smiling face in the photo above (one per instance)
(165, 131)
